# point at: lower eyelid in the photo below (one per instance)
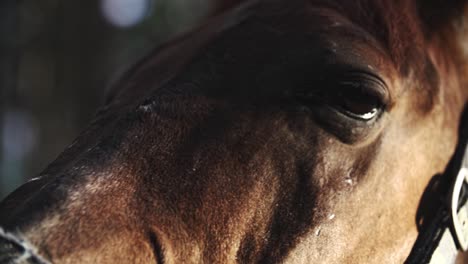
(348, 129)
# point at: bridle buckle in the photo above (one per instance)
(459, 217)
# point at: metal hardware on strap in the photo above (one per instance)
(445, 233)
(459, 217)
(446, 251)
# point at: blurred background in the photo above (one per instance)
(56, 60)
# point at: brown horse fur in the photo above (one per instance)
(204, 154)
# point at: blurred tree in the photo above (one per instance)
(8, 76)
(56, 59)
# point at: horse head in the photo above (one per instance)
(300, 131)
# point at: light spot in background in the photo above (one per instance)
(19, 134)
(125, 13)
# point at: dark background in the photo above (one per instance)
(57, 59)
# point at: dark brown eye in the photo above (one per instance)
(360, 99)
(354, 100)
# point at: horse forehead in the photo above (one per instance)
(373, 22)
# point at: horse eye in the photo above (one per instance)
(358, 99)
(355, 102)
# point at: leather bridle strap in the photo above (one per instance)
(454, 237)
(445, 234)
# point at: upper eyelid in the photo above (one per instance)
(378, 88)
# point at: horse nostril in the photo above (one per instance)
(11, 251)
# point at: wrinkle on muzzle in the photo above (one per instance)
(15, 251)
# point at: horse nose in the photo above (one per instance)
(12, 250)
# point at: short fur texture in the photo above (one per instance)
(210, 151)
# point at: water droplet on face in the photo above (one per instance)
(349, 181)
(321, 182)
(348, 178)
(317, 232)
(146, 107)
(336, 24)
(331, 217)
